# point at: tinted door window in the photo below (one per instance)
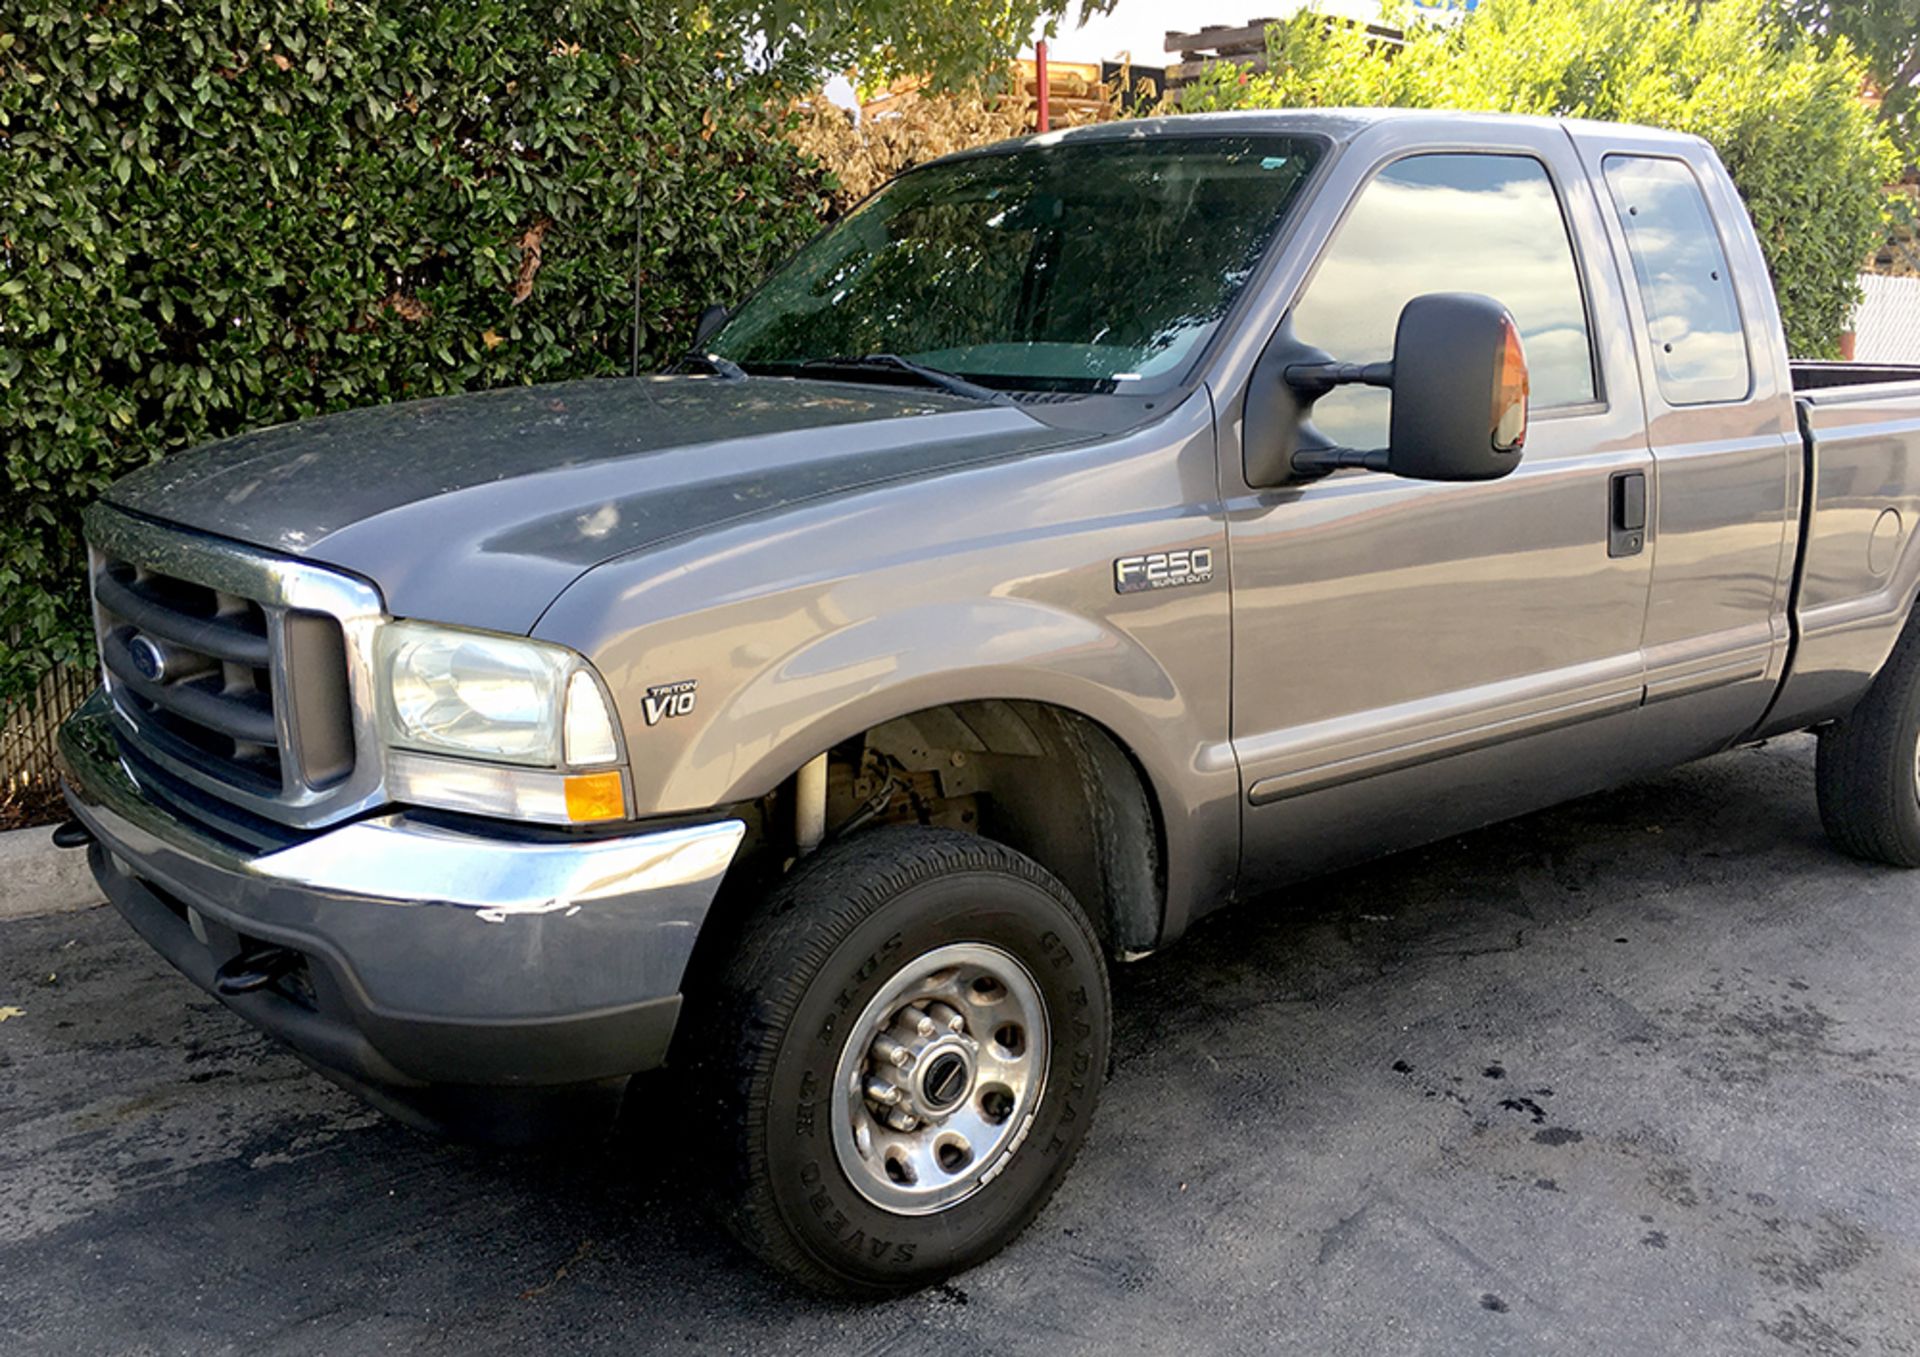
(1699, 349)
(1448, 223)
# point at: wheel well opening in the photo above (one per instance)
(1043, 780)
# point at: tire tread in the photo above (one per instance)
(782, 943)
(1864, 770)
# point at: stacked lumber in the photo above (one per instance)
(1243, 45)
(1075, 94)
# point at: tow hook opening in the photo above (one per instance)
(255, 970)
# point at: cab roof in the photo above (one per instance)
(1337, 125)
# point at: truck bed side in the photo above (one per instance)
(1859, 567)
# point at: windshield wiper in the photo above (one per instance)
(714, 363)
(949, 382)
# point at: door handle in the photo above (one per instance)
(1626, 513)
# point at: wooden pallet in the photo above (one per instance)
(1244, 45)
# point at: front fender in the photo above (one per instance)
(856, 677)
(799, 632)
(860, 676)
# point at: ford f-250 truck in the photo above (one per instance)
(1084, 533)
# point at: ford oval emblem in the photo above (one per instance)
(148, 659)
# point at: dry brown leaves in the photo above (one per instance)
(407, 308)
(909, 126)
(529, 260)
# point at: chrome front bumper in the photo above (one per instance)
(434, 955)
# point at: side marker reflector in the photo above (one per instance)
(595, 796)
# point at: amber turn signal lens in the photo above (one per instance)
(595, 796)
(1510, 392)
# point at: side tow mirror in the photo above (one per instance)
(1459, 383)
(1459, 390)
(710, 320)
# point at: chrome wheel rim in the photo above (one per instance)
(939, 1078)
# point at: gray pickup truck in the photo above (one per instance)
(1084, 533)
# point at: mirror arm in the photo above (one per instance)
(1325, 461)
(1313, 380)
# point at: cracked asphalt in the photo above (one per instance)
(1639, 1074)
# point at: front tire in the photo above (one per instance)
(1867, 771)
(900, 1059)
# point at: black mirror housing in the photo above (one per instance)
(1459, 383)
(1459, 390)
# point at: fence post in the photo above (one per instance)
(1040, 82)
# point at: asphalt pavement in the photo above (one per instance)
(1637, 1075)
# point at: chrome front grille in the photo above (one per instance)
(243, 673)
(194, 667)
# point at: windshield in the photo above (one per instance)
(1078, 266)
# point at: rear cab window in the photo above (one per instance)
(1686, 289)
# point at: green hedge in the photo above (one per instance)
(215, 216)
(1783, 110)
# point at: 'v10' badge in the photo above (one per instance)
(669, 699)
(1162, 570)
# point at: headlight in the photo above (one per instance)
(485, 699)
(464, 692)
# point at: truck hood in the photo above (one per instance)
(479, 509)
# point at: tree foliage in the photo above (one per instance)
(955, 42)
(1782, 110)
(1886, 33)
(215, 217)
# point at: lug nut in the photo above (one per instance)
(891, 1052)
(946, 1017)
(917, 1021)
(880, 1091)
(901, 1121)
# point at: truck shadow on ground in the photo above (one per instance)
(390, 1235)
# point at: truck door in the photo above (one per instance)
(1413, 658)
(1721, 423)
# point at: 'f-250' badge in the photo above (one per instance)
(1162, 570)
(669, 699)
